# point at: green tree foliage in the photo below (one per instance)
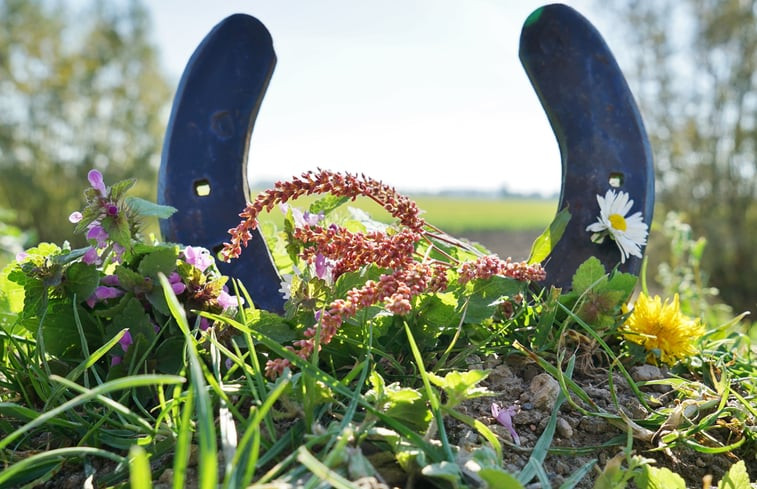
(692, 69)
(79, 89)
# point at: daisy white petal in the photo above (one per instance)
(629, 233)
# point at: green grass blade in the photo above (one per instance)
(206, 433)
(321, 471)
(30, 463)
(111, 386)
(140, 476)
(183, 442)
(432, 398)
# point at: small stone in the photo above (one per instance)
(527, 406)
(564, 429)
(544, 390)
(645, 373)
(700, 462)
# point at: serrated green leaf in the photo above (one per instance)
(546, 242)
(146, 208)
(117, 228)
(460, 386)
(118, 189)
(327, 204)
(439, 310)
(163, 260)
(589, 274)
(485, 294)
(81, 279)
(736, 477)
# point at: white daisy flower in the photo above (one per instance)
(629, 233)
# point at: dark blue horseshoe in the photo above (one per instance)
(601, 136)
(203, 171)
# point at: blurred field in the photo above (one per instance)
(459, 215)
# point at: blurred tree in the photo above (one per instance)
(692, 68)
(79, 89)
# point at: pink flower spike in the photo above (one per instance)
(75, 217)
(505, 418)
(96, 180)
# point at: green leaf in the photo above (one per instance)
(119, 188)
(589, 274)
(81, 279)
(117, 228)
(736, 477)
(327, 204)
(444, 470)
(146, 208)
(498, 478)
(270, 324)
(485, 294)
(547, 241)
(460, 386)
(163, 260)
(439, 310)
(659, 478)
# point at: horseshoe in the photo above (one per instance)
(203, 171)
(600, 133)
(602, 140)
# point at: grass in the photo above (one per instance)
(387, 398)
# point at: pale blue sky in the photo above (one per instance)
(423, 94)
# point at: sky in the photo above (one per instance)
(426, 95)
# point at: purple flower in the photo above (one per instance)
(98, 233)
(96, 180)
(90, 256)
(110, 280)
(21, 256)
(118, 252)
(111, 209)
(226, 301)
(204, 323)
(116, 360)
(75, 217)
(324, 268)
(505, 418)
(176, 284)
(103, 292)
(198, 257)
(126, 341)
(302, 219)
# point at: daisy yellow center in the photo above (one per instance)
(618, 222)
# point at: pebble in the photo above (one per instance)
(564, 429)
(544, 391)
(644, 373)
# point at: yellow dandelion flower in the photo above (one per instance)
(661, 326)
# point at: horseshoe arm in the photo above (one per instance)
(598, 128)
(203, 171)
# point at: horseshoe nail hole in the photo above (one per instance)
(616, 179)
(202, 188)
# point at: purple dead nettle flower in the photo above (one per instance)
(91, 257)
(176, 284)
(75, 217)
(301, 218)
(505, 418)
(126, 341)
(96, 180)
(102, 293)
(324, 268)
(198, 257)
(225, 300)
(98, 233)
